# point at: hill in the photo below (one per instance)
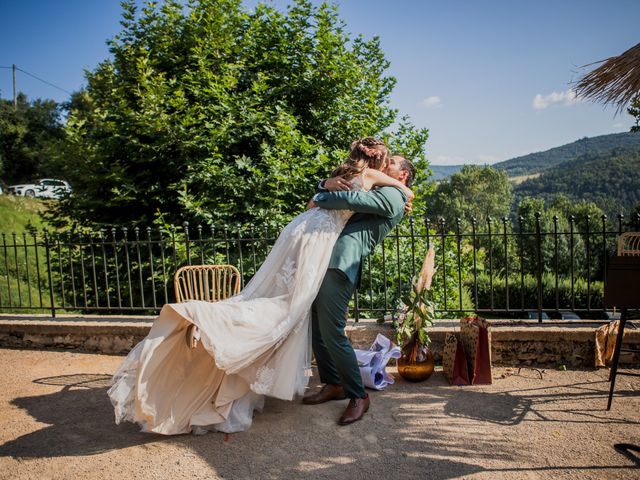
(440, 172)
(609, 179)
(541, 161)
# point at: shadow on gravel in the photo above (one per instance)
(429, 430)
(632, 452)
(403, 436)
(501, 408)
(542, 403)
(80, 419)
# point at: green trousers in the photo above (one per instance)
(334, 354)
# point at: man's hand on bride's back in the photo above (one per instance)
(337, 184)
(410, 194)
(408, 206)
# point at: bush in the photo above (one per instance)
(523, 292)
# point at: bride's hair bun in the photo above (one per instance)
(365, 152)
(373, 151)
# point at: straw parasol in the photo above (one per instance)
(614, 82)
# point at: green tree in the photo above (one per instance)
(555, 250)
(480, 196)
(212, 113)
(473, 192)
(634, 111)
(30, 133)
(571, 236)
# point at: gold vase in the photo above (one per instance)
(416, 363)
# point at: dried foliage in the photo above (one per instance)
(419, 311)
(614, 82)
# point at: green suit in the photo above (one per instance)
(376, 213)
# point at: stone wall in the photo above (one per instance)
(102, 337)
(519, 344)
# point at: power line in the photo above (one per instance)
(44, 81)
(39, 79)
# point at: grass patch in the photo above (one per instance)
(517, 180)
(19, 266)
(21, 214)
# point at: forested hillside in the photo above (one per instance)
(541, 161)
(611, 180)
(441, 172)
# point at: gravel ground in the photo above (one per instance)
(57, 423)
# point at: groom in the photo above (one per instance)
(376, 213)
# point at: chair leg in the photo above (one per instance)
(616, 355)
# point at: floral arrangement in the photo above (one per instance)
(419, 310)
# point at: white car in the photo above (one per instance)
(44, 188)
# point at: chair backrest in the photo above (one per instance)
(210, 283)
(629, 244)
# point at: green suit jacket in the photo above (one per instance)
(376, 213)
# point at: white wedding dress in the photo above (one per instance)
(255, 344)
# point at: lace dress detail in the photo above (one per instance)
(264, 380)
(284, 278)
(254, 344)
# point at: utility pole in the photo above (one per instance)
(15, 98)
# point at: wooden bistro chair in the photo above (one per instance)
(210, 283)
(622, 290)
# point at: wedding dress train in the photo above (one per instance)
(253, 345)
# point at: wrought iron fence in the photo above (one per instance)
(500, 268)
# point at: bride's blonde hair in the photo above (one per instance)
(367, 152)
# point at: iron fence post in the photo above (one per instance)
(588, 247)
(491, 302)
(539, 265)
(604, 248)
(571, 259)
(556, 259)
(620, 221)
(475, 261)
(49, 276)
(506, 261)
(186, 241)
(459, 249)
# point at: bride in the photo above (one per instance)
(249, 346)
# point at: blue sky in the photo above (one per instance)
(490, 79)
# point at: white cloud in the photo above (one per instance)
(540, 102)
(431, 102)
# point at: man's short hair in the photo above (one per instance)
(407, 166)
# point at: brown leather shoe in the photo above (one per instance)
(355, 410)
(329, 392)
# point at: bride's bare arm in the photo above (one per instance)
(375, 178)
(337, 184)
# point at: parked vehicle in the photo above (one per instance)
(568, 316)
(43, 188)
(533, 315)
(609, 315)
